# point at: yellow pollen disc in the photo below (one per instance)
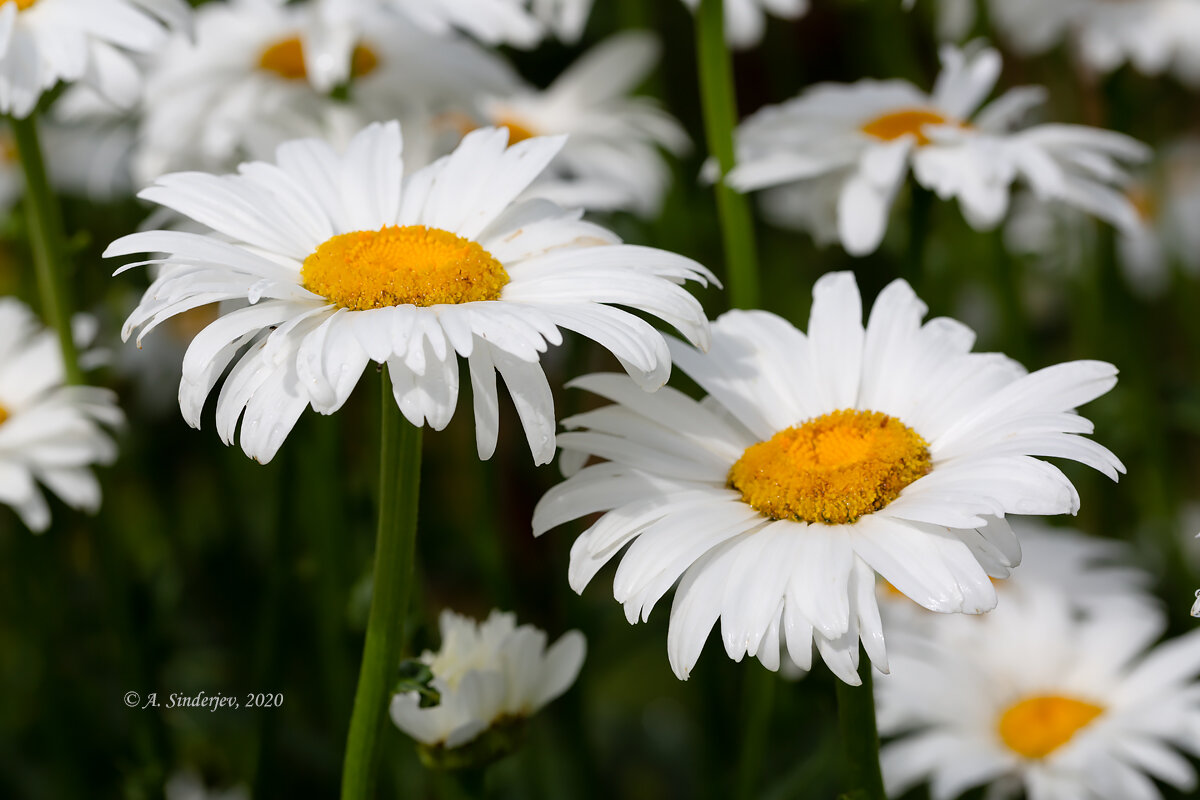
(516, 131)
(286, 58)
(402, 265)
(3, 415)
(21, 4)
(892, 126)
(832, 469)
(1037, 726)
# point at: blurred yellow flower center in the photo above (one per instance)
(402, 265)
(3, 415)
(21, 4)
(286, 58)
(892, 126)
(1143, 202)
(1037, 726)
(516, 131)
(832, 469)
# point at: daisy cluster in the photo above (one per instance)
(327, 192)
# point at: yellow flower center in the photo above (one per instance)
(517, 132)
(892, 126)
(286, 58)
(832, 469)
(3, 415)
(402, 265)
(21, 4)
(1037, 726)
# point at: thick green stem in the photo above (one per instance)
(395, 553)
(758, 695)
(46, 238)
(860, 737)
(720, 115)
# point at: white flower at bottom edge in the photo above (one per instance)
(1032, 695)
(815, 462)
(344, 262)
(188, 785)
(49, 433)
(487, 673)
(43, 42)
(847, 149)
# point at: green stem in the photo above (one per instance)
(395, 554)
(46, 238)
(860, 737)
(758, 694)
(720, 115)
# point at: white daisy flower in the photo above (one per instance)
(253, 79)
(1167, 200)
(43, 42)
(850, 148)
(746, 20)
(1032, 696)
(815, 462)
(1154, 36)
(344, 262)
(49, 433)
(492, 22)
(1032, 26)
(566, 19)
(612, 158)
(491, 674)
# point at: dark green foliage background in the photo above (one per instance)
(205, 571)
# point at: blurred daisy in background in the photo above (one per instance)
(842, 153)
(1095, 575)
(344, 262)
(1167, 200)
(43, 42)
(1153, 36)
(746, 20)
(566, 19)
(815, 462)
(1034, 697)
(613, 155)
(248, 83)
(50, 433)
(482, 685)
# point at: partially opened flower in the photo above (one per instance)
(487, 678)
(1033, 697)
(613, 156)
(50, 433)
(839, 154)
(816, 462)
(43, 42)
(746, 20)
(343, 261)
